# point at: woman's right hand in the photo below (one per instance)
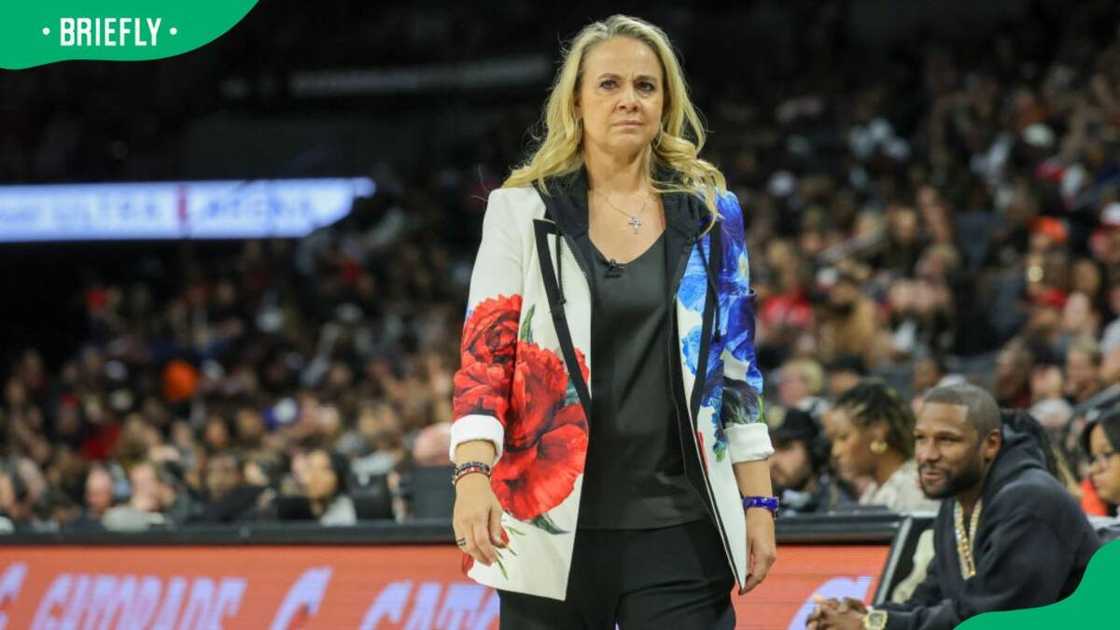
(477, 519)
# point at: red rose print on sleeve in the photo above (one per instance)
(526, 387)
(546, 438)
(490, 333)
(488, 350)
(479, 389)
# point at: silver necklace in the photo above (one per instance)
(635, 219)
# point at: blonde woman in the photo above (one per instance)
(609, 442)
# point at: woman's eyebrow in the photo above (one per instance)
(640, 77)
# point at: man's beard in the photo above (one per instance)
(799, 483)
(953, 485)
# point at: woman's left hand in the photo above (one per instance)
(760, 542)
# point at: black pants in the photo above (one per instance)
(674, 577)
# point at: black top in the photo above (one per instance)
(634, 477)
(1031, 549)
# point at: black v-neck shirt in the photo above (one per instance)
(634, 477)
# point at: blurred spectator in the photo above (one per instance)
(785, 311)
(432, 446)
(800, 384)
(1110, 338)
(929, 371)
(229, 497)
(155, 500)
(98, 495)
(849, 320)
(1048, 403)
(904, 244)
(223, 475)
(921, 319)
(251, 429)
(15, 502)
(376, 441)
(870, 429)
(1100, 440)
(799, 467)
(1012, 378)
(1083, 364)
(845, 373)
(216, 434)
(325, 477)
(23, 489)
(148, 499)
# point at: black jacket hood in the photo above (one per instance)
(1024, 447)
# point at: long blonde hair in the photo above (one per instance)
(676, 146)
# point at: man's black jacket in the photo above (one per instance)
(1031, 548)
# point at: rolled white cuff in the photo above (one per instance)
(749, 442)
(477, 427)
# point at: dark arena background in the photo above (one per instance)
(931, 190)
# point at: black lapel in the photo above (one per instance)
(684, 221)
(566, 211)
(543, 230)
(685, 216)
(700, 385)
(566, 204)
(568, 195)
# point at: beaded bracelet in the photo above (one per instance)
(466, 468)
(767, 503)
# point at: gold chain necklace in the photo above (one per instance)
(635, 219)
(966, 537)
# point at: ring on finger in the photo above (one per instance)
(462, 542)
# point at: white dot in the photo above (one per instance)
(174, 31)
(46, 30)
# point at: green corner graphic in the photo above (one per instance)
(1091, 606)
(37, 33)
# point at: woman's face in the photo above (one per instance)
(216, 434)
(851, 444)
(322, 483)
(146, 489)
(1105, 470)
(1086, 277)
(904, 225)
(620, 97)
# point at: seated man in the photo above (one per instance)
(799, 467)
(229, 498)
(153, 493)
(1008, 534)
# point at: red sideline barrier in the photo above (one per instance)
(320, 587)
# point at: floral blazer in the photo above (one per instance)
(526, 363)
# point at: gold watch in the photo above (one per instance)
(875, 619)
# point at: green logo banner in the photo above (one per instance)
(1092, 605)
(37, 33)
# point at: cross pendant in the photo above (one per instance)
(635, 223)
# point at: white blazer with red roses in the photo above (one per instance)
(526, 365)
